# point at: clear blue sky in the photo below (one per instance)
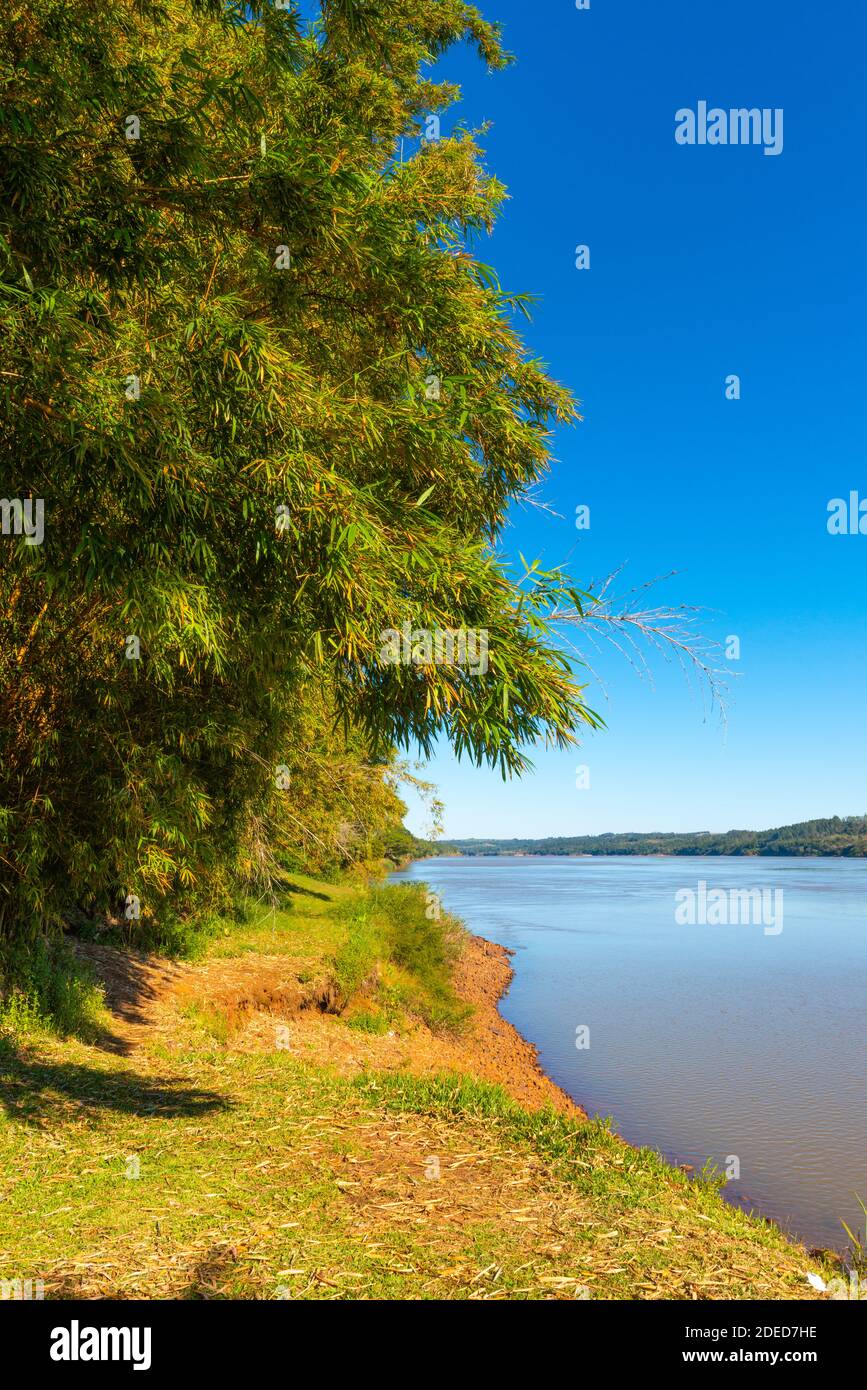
(705, 261)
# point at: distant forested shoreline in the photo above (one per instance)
(844, 836)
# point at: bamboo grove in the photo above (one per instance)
(231, 265)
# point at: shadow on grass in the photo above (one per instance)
(288, 885)
(32, 1091)
(133, 983)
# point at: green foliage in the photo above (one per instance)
(44, 987)
(356, 961)
(178, 935)
(425, 947)
(342, 807)
(400, 957)
(258, 388)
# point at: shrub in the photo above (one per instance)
(180, 936)
(404, 957)
(45, 987)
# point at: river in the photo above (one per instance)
(723, 1039)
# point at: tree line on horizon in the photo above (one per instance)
(844, 836)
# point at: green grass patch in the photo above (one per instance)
(211, 1021)
(402, 957)
(45, 988)
(366, 1021)
(178, 937)
(572, 1147)
(300, 921)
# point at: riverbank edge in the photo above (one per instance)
(495, 963)
(483, 977)
(302, 1101)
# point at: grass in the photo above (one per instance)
(267, 1175)
(210, 1020)
(365, 1021)
(262, 1173)
(400, 956)
(45, 989)
(857, 1246)
(304, 923)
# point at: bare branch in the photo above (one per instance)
(635, 628)
(532, 498)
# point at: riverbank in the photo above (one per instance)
(288, 1117)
